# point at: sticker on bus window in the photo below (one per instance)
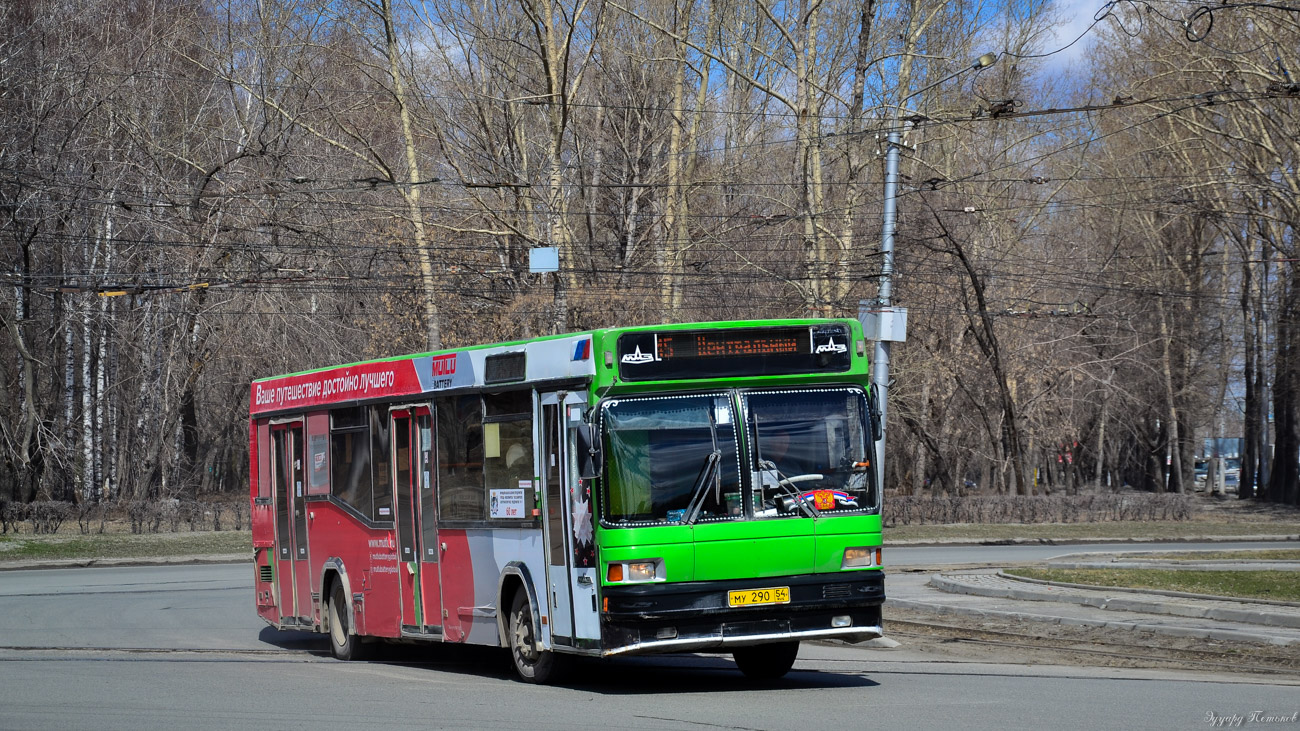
(318, 479)
(507, 504)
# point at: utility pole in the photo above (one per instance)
(881, 321)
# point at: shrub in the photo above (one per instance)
(47, 516)
(88, 513)
(11, 516)
(922, 509)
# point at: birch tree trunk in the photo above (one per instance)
(1166, 366)
(681, 161)
(411, 191)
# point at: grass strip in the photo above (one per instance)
(22, 546)
(1274, 585)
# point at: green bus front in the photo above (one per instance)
(738, 501)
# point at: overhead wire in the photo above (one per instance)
(972, 178)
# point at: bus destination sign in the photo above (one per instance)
(674, 354)
(721, 344)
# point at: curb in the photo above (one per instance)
(1173, 609)
(1225, 635)
(85, 563)
(1135, 590)
(79, 563)
(1081, 541)
(1179, 565)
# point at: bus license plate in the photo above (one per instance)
(757, 597)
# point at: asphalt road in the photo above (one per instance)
(173, 647)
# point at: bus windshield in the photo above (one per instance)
(677, 459)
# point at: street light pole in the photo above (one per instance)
(887, 327)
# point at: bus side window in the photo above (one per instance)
(379, 445)
(350, 459)
(508, 455)
(460, 459)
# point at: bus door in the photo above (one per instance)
(412, 455)
(293, 578)
(570, 572)
(426, 523)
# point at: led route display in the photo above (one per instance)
(674, 354)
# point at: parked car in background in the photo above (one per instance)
(1231, 471)
(1200, 473)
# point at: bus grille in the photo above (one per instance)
(265, 574)
(837, 591)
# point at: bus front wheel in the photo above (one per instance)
(766, 662)
(344, 645)
(531, 664)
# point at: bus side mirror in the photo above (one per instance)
(590, 458)
(873, 407)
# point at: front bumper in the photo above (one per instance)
(647, 618)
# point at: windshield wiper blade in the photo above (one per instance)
(696, 504)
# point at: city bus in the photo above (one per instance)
(706, 487)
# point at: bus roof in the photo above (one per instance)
(551, 358)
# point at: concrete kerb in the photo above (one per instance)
(26, 564)
(1134, 590)
(1179, 565)
(1193, 560)
(83, 563)
(1096, 597)
(1082, 541)
(1225, 635)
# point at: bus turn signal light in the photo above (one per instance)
(631, 572)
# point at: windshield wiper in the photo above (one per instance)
(699, 492)
(786, 484)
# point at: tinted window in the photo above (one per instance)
(379, 447)
(350, 468)
(461, 495)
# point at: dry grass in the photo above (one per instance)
(1273, 585)
(25, 546)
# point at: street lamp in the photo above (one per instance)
(887, 323)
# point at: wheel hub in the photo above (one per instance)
(524, 640)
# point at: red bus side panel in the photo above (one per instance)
(457, 569)
(369, 558)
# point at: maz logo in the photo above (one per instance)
(832, 347)
(637, 357)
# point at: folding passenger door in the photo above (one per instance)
(412, 455)
(570, 573)
(426, 522)
(293, 579)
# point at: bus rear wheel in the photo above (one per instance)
(531, 664)
(766, 662)
(344, 645)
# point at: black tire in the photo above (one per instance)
(766, 662)
(531, 665)
(344, 644)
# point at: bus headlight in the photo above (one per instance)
(632, 572)
(641, 571)
(862, 557)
